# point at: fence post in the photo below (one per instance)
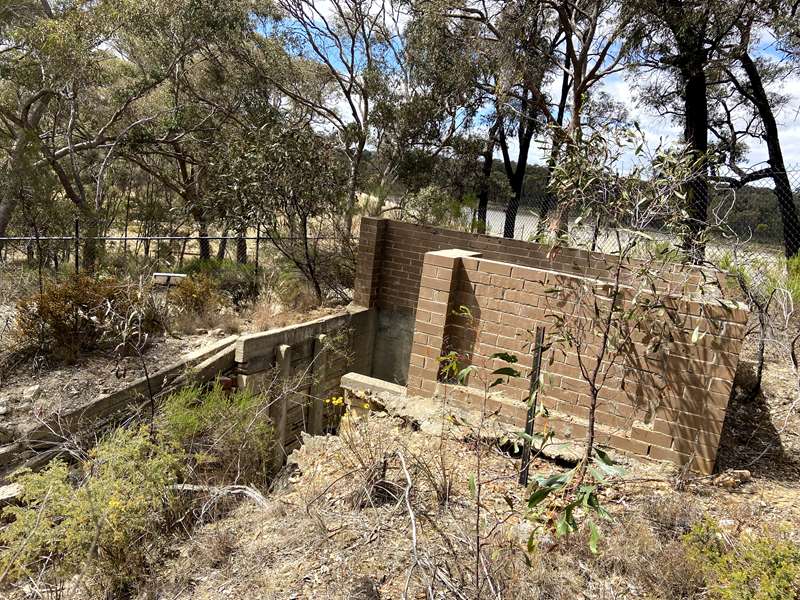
(319, 374)
(77, 244)
(258, 246)
(280, 408)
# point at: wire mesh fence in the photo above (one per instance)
(753, 226)
(64, 254)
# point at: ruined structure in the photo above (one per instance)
(415, 278)
(412, 283)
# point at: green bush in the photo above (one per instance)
(756, 566)
(103, 521)
(793, 277)
(195, 295)
(229, 435)
(82, 314)
(237, 281)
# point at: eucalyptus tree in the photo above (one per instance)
(334, 56)
(519, 49)
(678, 42)
(745, 105)
(75, 78)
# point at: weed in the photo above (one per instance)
(102, 523)
(754, 566)
(75, 316)
(228, 435)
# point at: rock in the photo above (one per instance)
(742, 475)
(546, 542)
(364, 588)
(732, 479)
(32, 392)
(727, 525)
(6, 435)
(9, 493)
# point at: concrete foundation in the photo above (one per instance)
(394, 335)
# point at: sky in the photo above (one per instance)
(622, 88)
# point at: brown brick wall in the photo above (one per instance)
(391, 254)
(669, 406)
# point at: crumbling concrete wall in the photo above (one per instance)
(311, 357)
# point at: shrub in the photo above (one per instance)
(81, 314)
(235, 280)
(104, 522)
(756, 566)
(196, 295)
(229, 435)
(793, 277)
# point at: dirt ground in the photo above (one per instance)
(321, 535)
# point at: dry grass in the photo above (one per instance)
(342, 523)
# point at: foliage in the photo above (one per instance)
(78, 315)
(228, 435)
(105, 520)
(195, 295)
(785, 275)
(435, 206)
(572, 498)
(236, 280)
(754, 566)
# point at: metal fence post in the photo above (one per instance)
(258, 246)
(77, 245)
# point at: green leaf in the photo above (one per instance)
(473, 490)
(538, 495)
(508, 371)
(594, 536)
(603, 457)
(598, 476)
(697, 335)
(497, 382)
(464, 373)
(557, 480)
(505, 356)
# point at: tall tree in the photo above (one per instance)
(746, 109)
(680, 38)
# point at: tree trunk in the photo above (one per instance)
(783, 188)
(203, 241)
(695, 102)
(510, 225)
(90, 248)
(241, 246)
(223, 245)
(355, 165)
(7, 204)
(486, 173)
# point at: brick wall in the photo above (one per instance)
(666, 404)
(391, 254)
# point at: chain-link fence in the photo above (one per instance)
(64, 254)
(754, 226)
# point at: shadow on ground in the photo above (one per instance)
(750, 439)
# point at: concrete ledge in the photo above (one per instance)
(356, 382)
(251, 347)
(73, 420)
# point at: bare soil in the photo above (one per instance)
(31, 392)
